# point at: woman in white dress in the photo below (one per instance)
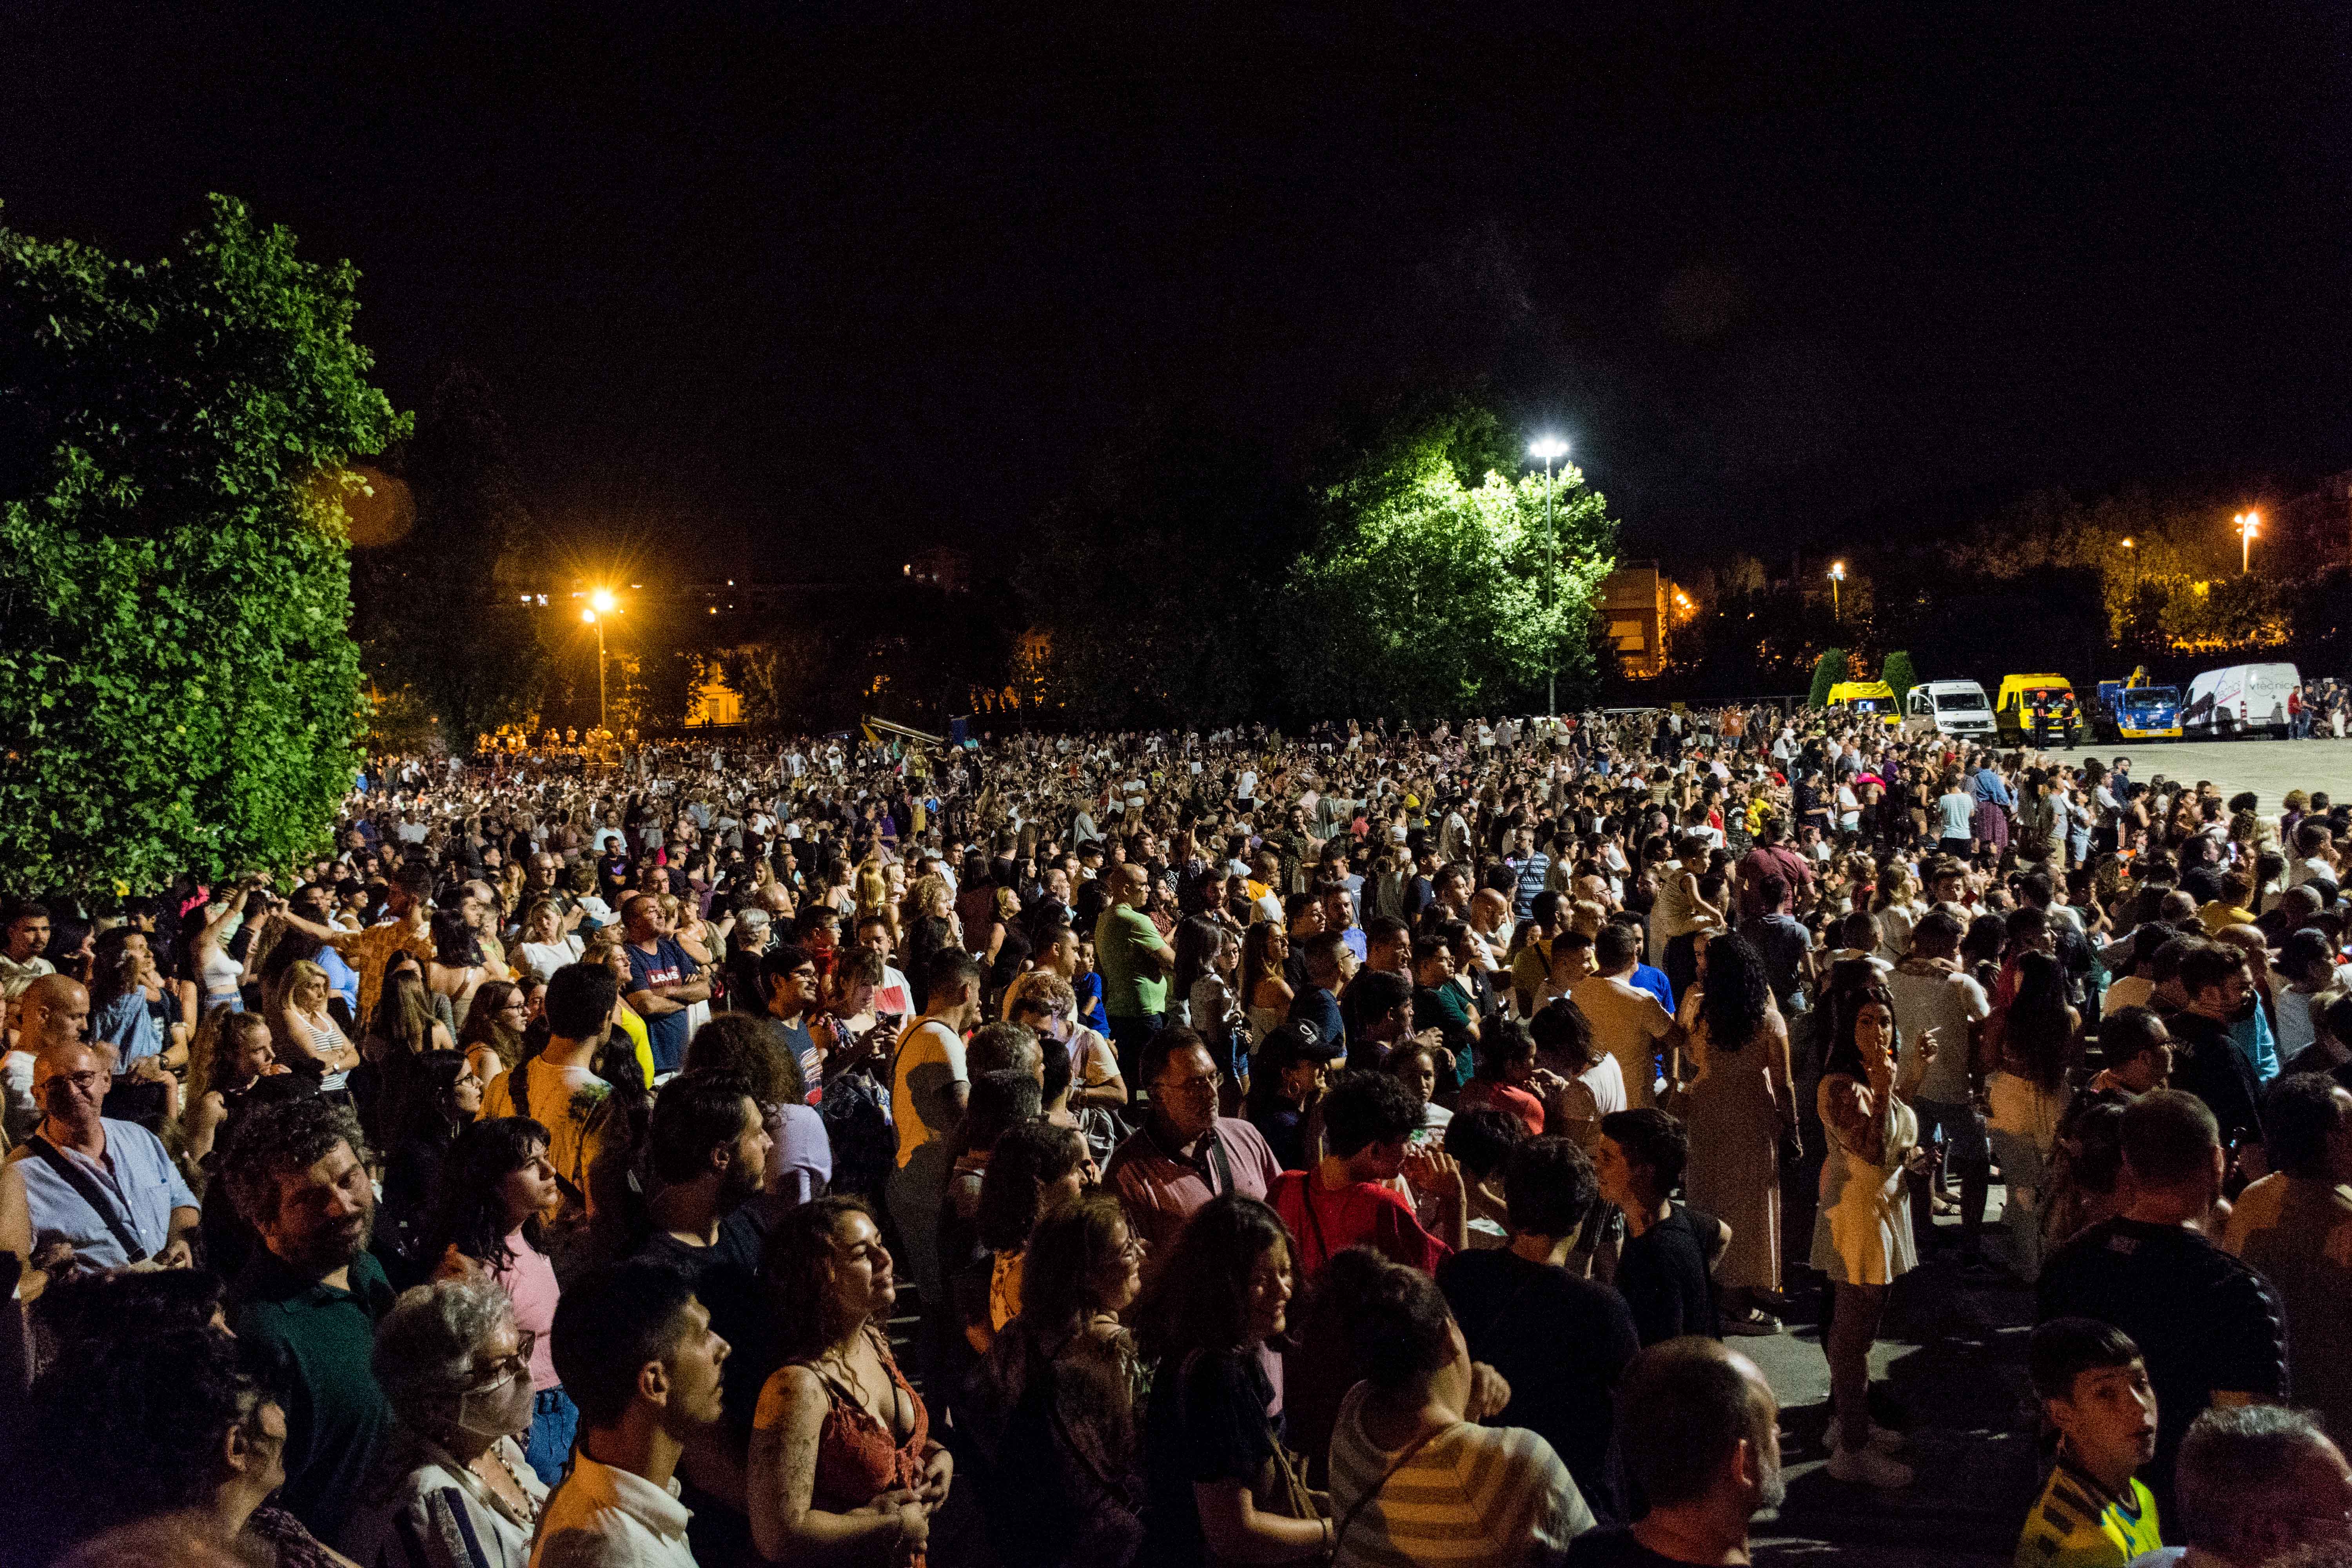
(1862, 1234)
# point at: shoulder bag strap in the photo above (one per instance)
(1313, 1218)
(1373, 1491)
(86, 1188)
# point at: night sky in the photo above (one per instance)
(788, 289)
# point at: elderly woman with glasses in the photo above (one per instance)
(452, 1489)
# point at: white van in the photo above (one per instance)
(1948, 708)
(2240, 700)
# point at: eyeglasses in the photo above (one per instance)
(1134, 1248)
(506, 1366)
(1188, 1085)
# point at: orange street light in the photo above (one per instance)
(2248, 523)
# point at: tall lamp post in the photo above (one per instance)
(1550, 449)
(2248, 523)
(1837, 576)
(601, 604)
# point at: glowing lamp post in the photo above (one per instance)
(602, 603)
(1837, 576)
(1550, 449)
(2248, 524)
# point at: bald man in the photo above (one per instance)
(54, 1010)
(106, 1186)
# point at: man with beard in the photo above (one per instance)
(308, 1301)
(1699, 1431)
(708, 1153)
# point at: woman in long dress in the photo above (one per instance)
(1738, 1107)
(1862, 1234)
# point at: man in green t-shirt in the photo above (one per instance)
(1134, 963)
(308, 1301)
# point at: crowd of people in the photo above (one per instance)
(1172, 1149)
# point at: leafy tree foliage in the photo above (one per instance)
(439, 615)
(1899, 675)
(1426, 597)
(177, 686)
(1828, 670)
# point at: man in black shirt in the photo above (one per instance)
(1662, 1273)
(1702, 1447)
(1558, 1340)
(2207, 1062)
(2212, 1331)
(707, 1152)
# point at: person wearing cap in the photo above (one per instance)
(1286, 1079)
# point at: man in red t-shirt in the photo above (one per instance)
(1351, 1198)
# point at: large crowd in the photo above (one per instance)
(1367, 1146)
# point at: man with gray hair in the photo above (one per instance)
(2257, 1483)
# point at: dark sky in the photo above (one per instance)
(786, 287)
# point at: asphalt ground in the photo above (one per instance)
(2269, 768)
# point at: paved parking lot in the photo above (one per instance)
(2269, 768)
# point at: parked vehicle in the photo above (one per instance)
(2039, 710)
(1863, 696)
(2241, 700)
(2138, 709)
(1948, 708)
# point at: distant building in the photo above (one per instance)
(716, 704)
(1636, 603)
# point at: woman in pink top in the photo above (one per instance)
(495, 1186)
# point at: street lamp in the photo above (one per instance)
(1550, 449)
(602, 603)
(1837, 576)
(2248, 524)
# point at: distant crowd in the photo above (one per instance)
(1362, 1146)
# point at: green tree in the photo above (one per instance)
(439, 608)
(1426, 597)
(178, 689)
(1828, 670)
(1899, 675)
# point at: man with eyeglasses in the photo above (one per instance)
(107, 1187)
(1185, 1153)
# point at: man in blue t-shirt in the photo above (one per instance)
(663, 980)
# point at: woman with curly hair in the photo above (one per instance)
(842, 1466)
(195, 1445)
(1741, 1104)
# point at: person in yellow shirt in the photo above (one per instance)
(2230, 909)
(2092, 1512)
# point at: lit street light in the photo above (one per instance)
(2248, 524)
(1837, 576)
(1550, 449)
(605, 604)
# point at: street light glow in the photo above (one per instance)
(603, 601)
(1837, 570)
(589, 616)
(1547, 448)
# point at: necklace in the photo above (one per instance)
(529, 1505)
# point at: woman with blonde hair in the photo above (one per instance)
(546, 946)
(873, 890)
(302, 1027)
